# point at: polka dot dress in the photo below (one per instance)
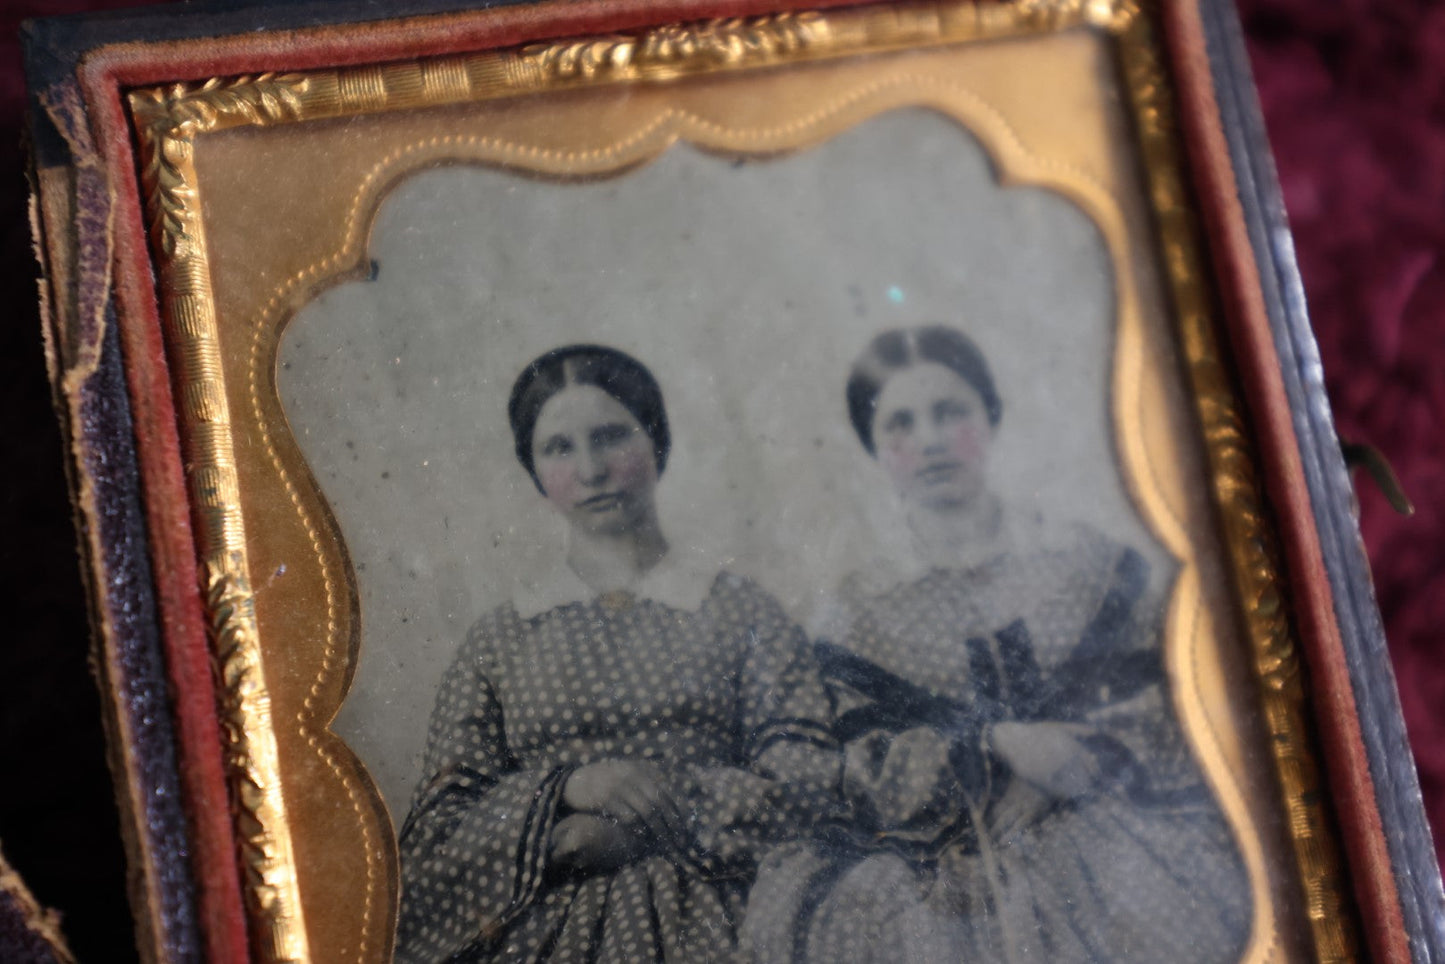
(726, 699)
(1142, 869)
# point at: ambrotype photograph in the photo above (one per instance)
(749, 569)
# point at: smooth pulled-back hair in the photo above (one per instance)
(616, 373)
(902, 348)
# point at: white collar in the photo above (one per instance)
(677, 581)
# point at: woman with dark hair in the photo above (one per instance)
(1022, 791)
(608, 757)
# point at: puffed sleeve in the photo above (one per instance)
(1114, 680)
(788, 763)
(1140, 716)
(474, 846)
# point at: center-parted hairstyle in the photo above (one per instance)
(619, 375)
(902, 348)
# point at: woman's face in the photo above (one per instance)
(932, 433)
(594, 460)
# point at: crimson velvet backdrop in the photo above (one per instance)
(1354, 98)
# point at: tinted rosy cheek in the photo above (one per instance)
(632, 466)
(968, 440)
(559, 482)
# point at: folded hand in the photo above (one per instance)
(1048, 754)
(635, 794)
(591, 844)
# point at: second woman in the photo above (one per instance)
(1022, 791)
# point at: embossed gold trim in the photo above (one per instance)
(677, 48)
(658, 55)
(170, 119)
(167, 122)
(1249, 533)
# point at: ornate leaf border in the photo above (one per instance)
(169, 119)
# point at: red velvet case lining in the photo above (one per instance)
(109, 71)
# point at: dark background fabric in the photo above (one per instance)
(1354, 97)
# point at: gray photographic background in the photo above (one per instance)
(747, 287)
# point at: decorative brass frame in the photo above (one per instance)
(1253, 548)
(168, 121)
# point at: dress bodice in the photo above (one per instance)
(1051, 595)
(623, 677)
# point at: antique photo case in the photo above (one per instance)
(771, 487)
